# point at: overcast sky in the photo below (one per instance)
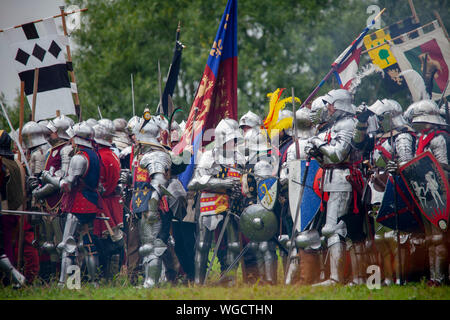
(12, 13)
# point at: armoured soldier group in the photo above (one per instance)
(107, 198)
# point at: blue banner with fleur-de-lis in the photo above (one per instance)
(216, 96)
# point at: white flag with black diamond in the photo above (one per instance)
(38, 45)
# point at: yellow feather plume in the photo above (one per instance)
(275, 106)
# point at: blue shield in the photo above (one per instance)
(408, 214)
(311, 201)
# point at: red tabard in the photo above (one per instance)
(54, 160)
(109, 201)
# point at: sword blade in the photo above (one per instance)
(36, 213)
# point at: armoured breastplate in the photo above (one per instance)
(37, 159)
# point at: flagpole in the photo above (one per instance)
(21, 219)
(158, 109)
(35, 89)
(69, 61)
(40, 20)
(336, 65)
(438, 17)
(132, 95)
(21, 114)
(413, 11)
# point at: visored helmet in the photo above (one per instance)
(134, 125)
(121, 138)
(226, 130)
(385, 110)
(304, 123)
(101, 134)
(91, 122)
(341, 100)
(250, 119)
(426, 111)
(33, 134)
(60, 125)
(82, 134)
(318, 113)
(110, 129)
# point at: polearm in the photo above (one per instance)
(132, 95)
(14, 136)
(99, 112)
(158, 109)
(303, 183)
(339, 61)
(36, 213)
(394, 183)
(297, 148)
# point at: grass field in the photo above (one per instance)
(122, 290)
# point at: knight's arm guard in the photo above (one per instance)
(205, 176)
(438, 147)
(77, 168)
(45, 191)
(340, 146)
(404, 147)
(66, 153)
(207, 182)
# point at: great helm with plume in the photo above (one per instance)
(426, 111)
(341, 99)
(81, 134)
(60, 125)
(33, 134)
(385, 110)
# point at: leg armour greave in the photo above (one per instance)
(151, 250)
(68, 246)
(202, 247)
(5, 265)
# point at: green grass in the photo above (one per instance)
(124, 291)
(121, 289)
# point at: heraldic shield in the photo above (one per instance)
(408, 214)
(428, 184)
(311, 201)
(268, 192)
